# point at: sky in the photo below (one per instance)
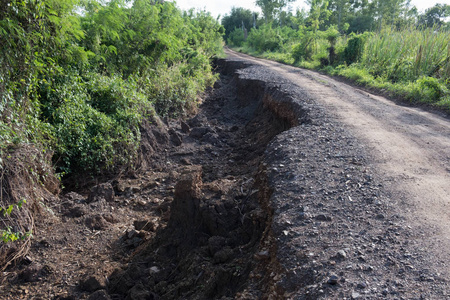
(221, 7)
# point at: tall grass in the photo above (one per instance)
(408, 54)
(410, 64)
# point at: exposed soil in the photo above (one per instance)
(285, 185)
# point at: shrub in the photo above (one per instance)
(354, 50)
(95, 122)
(264, 38)
(332, 34)
(236, 38)
(429, 89)
(300, 52)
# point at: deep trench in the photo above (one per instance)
(220, 217)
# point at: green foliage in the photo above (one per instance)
(80, 85)
(331, 35)
(302, 51)
(285, 58)
(318, 13)
(95, 122)
(265, 38)
(238, 18)
(236, 38)
(408, 54)
(429, 89)
(312, 45)
(355, 47)
(435, 16)
(271, 8)
(8, 234)
(356, 73)
(398, 58)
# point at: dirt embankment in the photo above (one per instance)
(264, 194)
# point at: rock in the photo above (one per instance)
(145, 225)
(74, 197)
(361, 285)
(139, 292)
(131, 234)
(199, 132)
(110, 218)
(323, 218)
(341, 254)
(198, 120)
(186, 161)
(211, 138)
(75, 211)
(154, 270)
(333, 279)
(142, 203)
(185, 128)
(380, 217)
(134, 242)
(223, 255)
(101, 191)
(93, 283)
(356, 295)
(31, 273)
(120, 186)
(175, 137)
(96, 223)
(99, 295)
(262, 255)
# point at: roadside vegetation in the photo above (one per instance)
(386, 45)
(77, 80)
(78, 77)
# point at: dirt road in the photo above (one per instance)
(408, 148)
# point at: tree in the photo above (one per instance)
(238, 18)
(271, 8)
(391, 12)
(341, 9)
(318, 13)
(434, 16)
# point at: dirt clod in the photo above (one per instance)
(102, 191)
(92, 283)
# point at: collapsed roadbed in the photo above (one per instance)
(261, 195)
(311, 220)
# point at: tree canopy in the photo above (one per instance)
(271, 8)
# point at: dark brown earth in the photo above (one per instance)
(285, 185)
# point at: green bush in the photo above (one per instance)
(300, 52)
(94, 120)
(264, 38)
(429, 89)
(236, 38)
(354, 50)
